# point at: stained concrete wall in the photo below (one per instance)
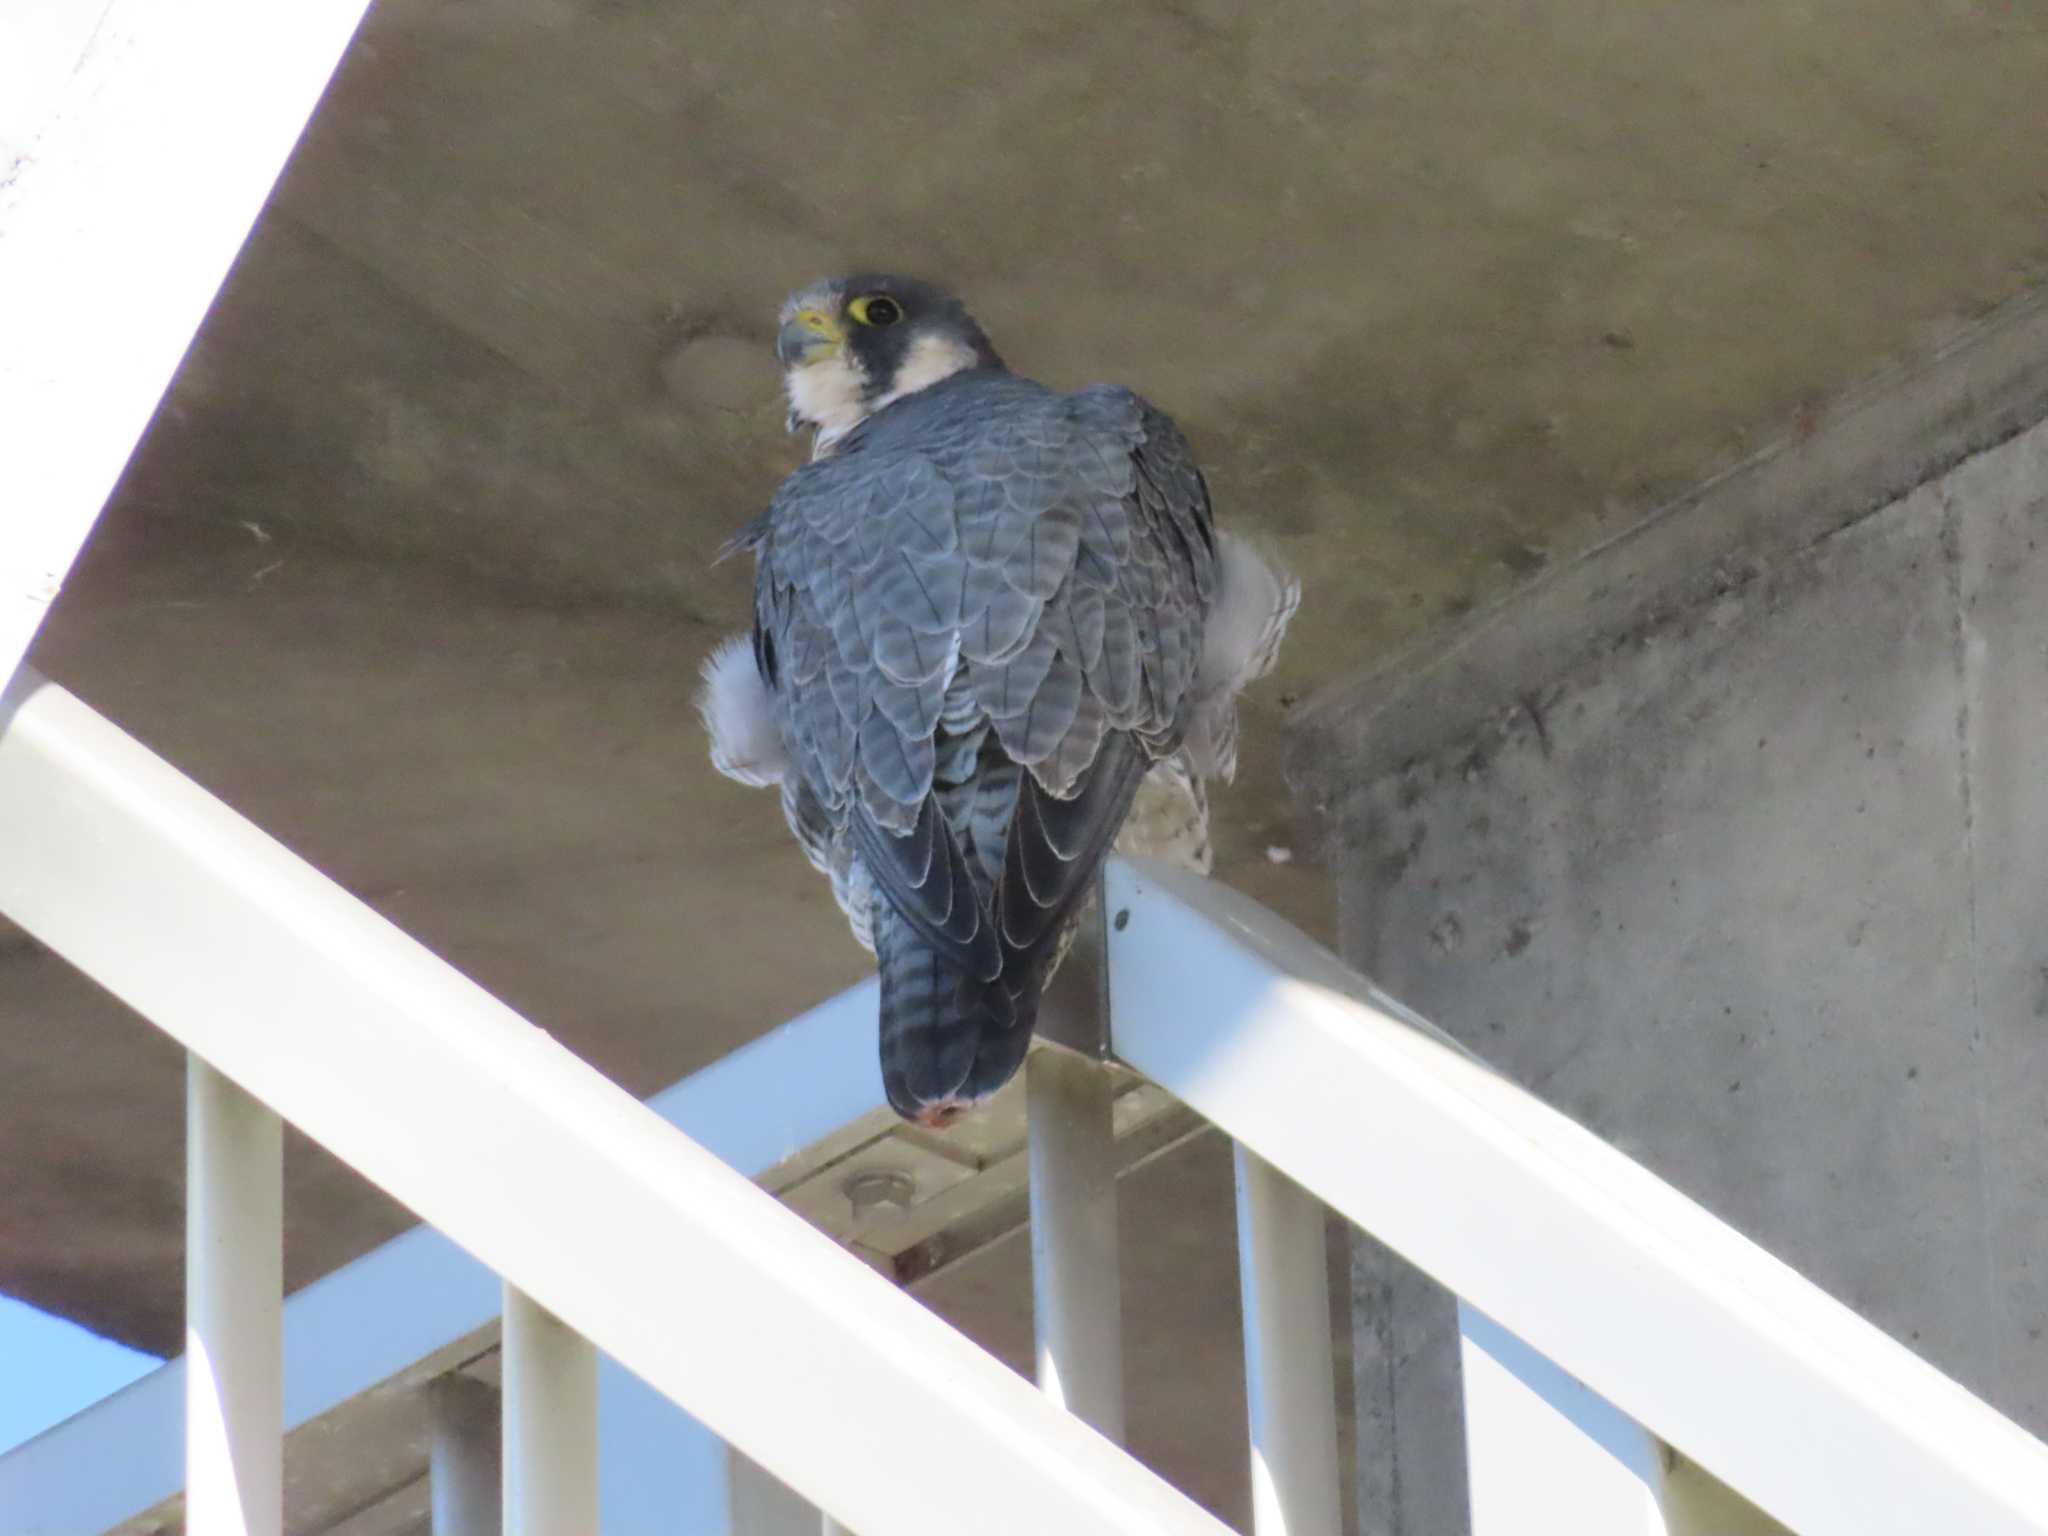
(1755, 889)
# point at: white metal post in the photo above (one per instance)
(770, 1334)
(1076, 1279)
(1290, 1387)
(758, 1503)
(1784, 1395)
(550, 1423)
(234, 1300)
(463, 1460)
(1546, 1453)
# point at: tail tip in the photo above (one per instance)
(940, 1116)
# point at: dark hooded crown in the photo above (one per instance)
(898, 334)
(929, 313)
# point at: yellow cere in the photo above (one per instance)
(818, 321)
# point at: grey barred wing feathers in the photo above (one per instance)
(980, 621)
(990, 620)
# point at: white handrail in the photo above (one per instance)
(418, 1298)
(1755, 1374)
(781, 1342)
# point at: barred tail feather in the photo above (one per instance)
(1003, 1045)
(946, 1039)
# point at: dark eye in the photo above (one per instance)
(875, 309)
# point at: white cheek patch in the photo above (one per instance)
(828, 395)
(831, 394)
(930, 359)
(739, 714)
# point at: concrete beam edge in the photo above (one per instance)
(1906, 425)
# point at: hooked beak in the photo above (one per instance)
(805, 337)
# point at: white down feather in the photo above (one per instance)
(740, 716)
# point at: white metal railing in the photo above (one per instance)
(234, 1308)
(1563, 1243)
(637, 1239)
(1606, 1315)
(1600, 1305)
(418, 1307)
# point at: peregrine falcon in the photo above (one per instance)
(994, 626)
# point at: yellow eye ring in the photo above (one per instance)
(875, 309)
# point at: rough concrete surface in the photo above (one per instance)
(1831, 467)
(413, 566)
(1756, 896)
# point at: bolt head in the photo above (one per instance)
(875, 1189)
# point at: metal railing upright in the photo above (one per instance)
(599, 1213)
(1608, 1320)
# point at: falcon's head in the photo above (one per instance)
(851, 345)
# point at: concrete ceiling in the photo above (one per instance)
(414, 566)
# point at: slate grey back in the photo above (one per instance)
(979, 620)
